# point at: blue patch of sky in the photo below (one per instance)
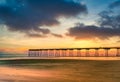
(95, 7)
(2, 2)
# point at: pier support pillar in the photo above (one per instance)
(96, 52)
(118, 52)
(34, 55)
(87, 53)
(29, 53)
(51, 53)
(45, 52)
(40, 53)
(63, 52)
(70, 52)
(37, 53)
(106, 52)
(57, 53)
(78, 52)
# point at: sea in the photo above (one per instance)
(60, 69)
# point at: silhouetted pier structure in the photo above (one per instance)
(70, 52)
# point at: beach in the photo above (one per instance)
(59, 70)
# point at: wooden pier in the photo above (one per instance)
(69, 52)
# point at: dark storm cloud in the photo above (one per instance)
(109, 25)
(28, 16)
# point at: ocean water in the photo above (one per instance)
(60, 70)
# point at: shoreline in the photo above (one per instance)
(62, 58)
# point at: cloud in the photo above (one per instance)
(28, 16)
(36, 35)
(57, 35)
(115, 4)
(108, 25)
(92, 32)
(111, 17)
(33, 35)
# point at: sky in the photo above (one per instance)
(26, 24)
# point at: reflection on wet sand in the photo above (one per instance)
(59, 70)
(20, 74)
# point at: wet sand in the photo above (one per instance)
(59, 70)
(9, 74)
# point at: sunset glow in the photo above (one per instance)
(60, 27)
(59, 40)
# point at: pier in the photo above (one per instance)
(72, 52)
